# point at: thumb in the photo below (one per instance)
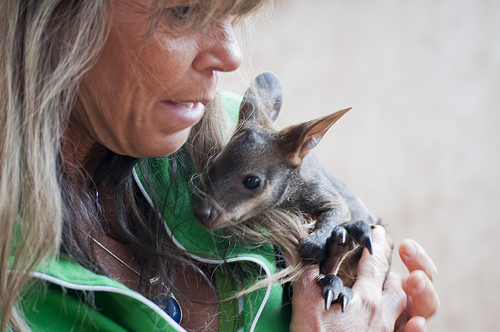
(372, 269)
(306, 283)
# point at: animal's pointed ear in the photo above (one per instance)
(262, 101)
(298, 140)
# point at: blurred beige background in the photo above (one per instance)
(421, 145)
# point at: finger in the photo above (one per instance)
(394, 297)
(415, 258)
(424, 298)
(373, 268)
(308, 306)
(305, 285)
(416, 324)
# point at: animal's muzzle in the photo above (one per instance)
(205, 213)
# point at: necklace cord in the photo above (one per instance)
(168, 301)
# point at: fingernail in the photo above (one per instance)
(410, 249)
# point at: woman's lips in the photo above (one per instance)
(183, 113)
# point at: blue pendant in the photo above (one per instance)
(169, 304)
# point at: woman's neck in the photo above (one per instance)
(80, 150)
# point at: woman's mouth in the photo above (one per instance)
(182, 114)
(183, 106)
(187, 106)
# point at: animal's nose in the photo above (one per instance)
(202, 212)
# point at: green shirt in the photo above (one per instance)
(73, 298)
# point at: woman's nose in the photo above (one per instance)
(219, 49)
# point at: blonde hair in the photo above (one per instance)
(46, 47)
(42, 60)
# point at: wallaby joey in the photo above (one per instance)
(261, 168)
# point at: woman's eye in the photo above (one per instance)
(251, 182)
(181, 12)
(182, 16)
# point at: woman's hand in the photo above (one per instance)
(377, 302)
(422, 299)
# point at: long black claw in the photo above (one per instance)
(362, 233)
(344, 302)
(345, 297)
(328, 299)
(339, 235)
(367, 243)
(332, 287)
(334, 291)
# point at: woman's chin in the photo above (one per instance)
(164, 146)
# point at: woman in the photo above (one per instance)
(91, 88)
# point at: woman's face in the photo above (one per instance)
(143, 95)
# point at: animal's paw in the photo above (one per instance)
(345, 236)
(323, 243)
(312, 249)
(334, 291)
(343, 240)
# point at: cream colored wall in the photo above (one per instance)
(421, 145)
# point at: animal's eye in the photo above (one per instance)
(251, 182)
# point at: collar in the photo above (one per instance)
(203, 245)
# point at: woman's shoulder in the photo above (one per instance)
(69, 297)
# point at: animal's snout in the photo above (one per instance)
(210, 216)
(204, 212)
